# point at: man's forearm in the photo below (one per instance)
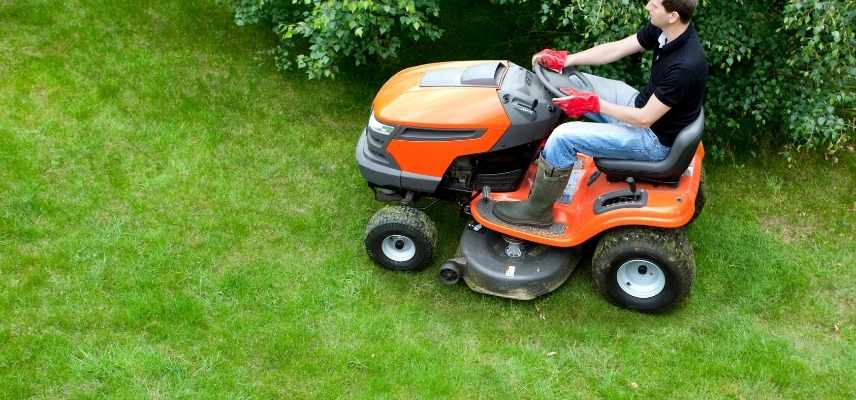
(598, 55)
(631, 115)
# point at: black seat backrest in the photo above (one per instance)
(668, 170)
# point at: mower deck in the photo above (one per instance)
(501, 266)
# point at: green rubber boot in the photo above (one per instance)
(538, 210)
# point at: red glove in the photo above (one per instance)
(552, 59)
(578, 103)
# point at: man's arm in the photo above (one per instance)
(642, 117)
(606, 53)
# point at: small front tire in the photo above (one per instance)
(400, 238)
(450, 273)
(644, 269)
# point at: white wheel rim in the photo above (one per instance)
(398, 248)
(641, 278)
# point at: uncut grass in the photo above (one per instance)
(178, 219)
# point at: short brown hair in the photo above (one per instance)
(684, 8)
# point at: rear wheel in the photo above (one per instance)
(400, 238)
(648, 270)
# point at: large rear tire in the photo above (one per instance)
(644, 269)
(401, 238)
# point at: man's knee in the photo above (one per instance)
(565, 138)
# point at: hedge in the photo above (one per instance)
(782, 72)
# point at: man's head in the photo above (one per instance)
(667, 12)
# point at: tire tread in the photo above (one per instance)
(673, 244)
(405, 218)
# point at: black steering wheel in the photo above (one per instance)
(542, 73)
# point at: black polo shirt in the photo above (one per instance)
(678, 78)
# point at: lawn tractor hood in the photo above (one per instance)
(449, 95)
(426, 117)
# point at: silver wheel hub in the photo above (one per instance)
(641, 278)
(398, 248)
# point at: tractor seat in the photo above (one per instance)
(668, 170)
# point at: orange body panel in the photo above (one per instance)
(402, 99)
(668, 206)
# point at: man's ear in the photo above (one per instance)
(674, 17)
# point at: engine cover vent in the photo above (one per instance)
(438, 134)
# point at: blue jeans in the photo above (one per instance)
(607, 138)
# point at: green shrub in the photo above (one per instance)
(317, 35)
(821, 58)
(782, 71)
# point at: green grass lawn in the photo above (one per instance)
(180, 220)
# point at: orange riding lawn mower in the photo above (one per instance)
(471, 132)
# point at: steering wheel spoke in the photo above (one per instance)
(569, 72)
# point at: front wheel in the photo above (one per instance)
(648, 270)
(400, 238)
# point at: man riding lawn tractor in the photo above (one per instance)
(474, 132)
(633, 125)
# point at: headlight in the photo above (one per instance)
(379, 127)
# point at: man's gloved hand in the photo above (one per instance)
(577, 104)
(551, 59)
